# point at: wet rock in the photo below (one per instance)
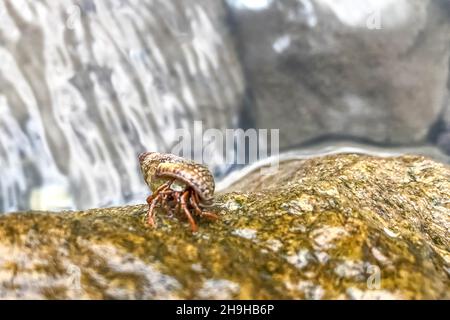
(443, 126)
(369, 70)
(341, 227)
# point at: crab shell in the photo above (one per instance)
(157, 168)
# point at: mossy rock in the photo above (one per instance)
(335, 227)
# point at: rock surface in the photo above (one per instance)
(370, 70)
(340, 227)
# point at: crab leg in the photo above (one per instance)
(150, 198)
(206, 214)
(163, 187)
(186, 211)
(153, 199)
(169, 199)
(178, 202)
(157, 191)
(150, 213)
(194, 204)
(166, 202)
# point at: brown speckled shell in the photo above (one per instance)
(157, 166)
(193, 174)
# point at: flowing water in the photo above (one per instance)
(85, 86)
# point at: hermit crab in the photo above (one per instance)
(178, 186)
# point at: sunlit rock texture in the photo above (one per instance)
(335, 227)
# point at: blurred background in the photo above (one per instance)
(87, 85)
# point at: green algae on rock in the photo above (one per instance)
(335, 227)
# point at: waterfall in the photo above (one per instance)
(87, 85)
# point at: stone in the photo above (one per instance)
(343, 226)
(371, 71)
(443, 128)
